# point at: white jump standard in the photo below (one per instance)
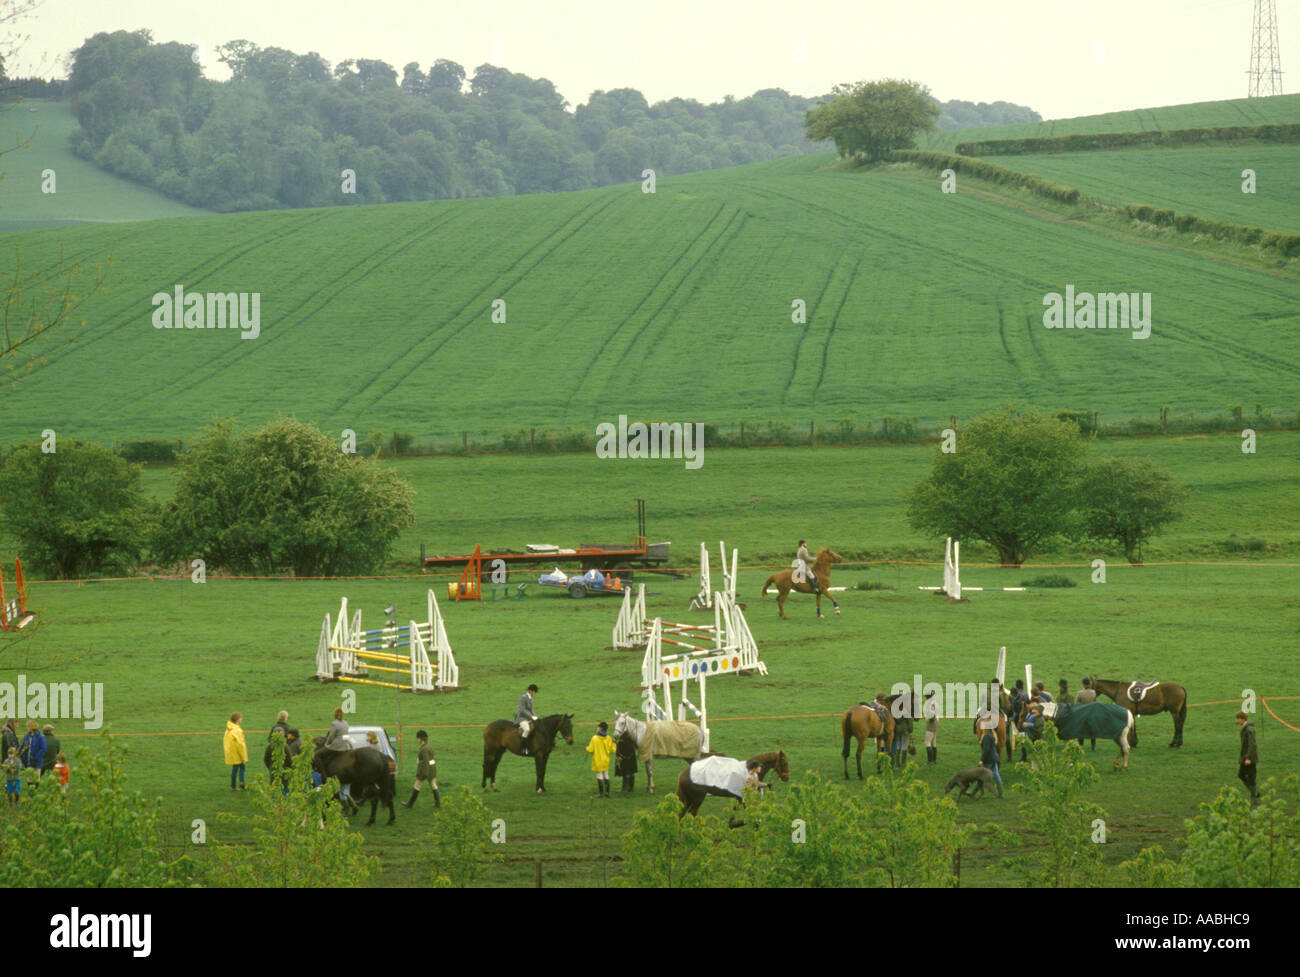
(952, 585)
(703, 601)
(349, 654)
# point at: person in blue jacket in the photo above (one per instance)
(32, 750)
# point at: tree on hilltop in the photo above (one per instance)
(869, 119)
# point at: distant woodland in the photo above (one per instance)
(282, 130)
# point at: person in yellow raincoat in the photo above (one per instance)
(236, 749)
(601, 749)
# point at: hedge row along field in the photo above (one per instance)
(971, 166)
(380, 318)
(1202, 180)
(1275, 110)
(1080, 142)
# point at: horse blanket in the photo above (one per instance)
(1093, 720)
(722, 773)
(669, 738)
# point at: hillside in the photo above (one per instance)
(1232, 112)
(84, 192)
(675, 305)
(1205, 181)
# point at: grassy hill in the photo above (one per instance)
(1205, 181)
(85, 193)
(1231, 112)
(675, 305)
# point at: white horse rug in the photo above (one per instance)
(722, 773)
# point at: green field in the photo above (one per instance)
(84, 192)
(1205, 181)
(674, 306)
(1278, 109)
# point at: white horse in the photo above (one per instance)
(664, 738)
(1121, 762)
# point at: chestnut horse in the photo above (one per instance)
(785, 582)
(1167, 697)
(865, 723)
(692, 794)
(503, 735)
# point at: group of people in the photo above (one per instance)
(337, 739)
(39, 752)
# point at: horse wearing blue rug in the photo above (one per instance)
(1093, 720)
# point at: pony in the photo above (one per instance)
(865, 723)
(501, 735)
(785, 582)
(756, 768)
(665, 738)
(1093, 719)
(363, 768)
(1163, 697)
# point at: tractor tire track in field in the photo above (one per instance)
(788, 387)
(499, 287)
(830, 331)
(128, 314)
(694, 274)
(1227, 348)
(317, 297)
(612, 336)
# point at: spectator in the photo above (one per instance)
(427, 770)
(52, 747)
(32, 751)
(1086, 695)
(236, 750)
(1248, 768)
(625, 763)
(600, 748)
(62, 770)
(13, 771)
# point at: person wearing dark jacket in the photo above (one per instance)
(625, 763)
(10, 737)
(52, 748)
(1248, 768)
(989, 757)
(427, 769)
(32, 750)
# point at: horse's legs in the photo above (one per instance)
(650, 776)
(781, 594)
(540, 763)
(862, 743)
(374, 807)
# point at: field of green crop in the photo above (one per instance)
(1277, 110)
(675, 305)
(84, 193)
(1205, 181)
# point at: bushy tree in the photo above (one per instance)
(869, 119)
(100, 835)
(1011, 482)
(284, 497)
(75, 511)
(300, 838)
(665, 851)
(1127, 502)
(458, 843)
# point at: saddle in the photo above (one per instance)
(880, 709)
(1138, 689)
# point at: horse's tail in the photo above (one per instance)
(766, 585)
(846, 727)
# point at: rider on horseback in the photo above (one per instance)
(804, 562)
(525, 717)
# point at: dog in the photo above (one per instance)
(977, 777)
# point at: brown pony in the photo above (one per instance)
(785, 582)
(692, 794)
(1167, 697)
(865, 723)
(503, 735)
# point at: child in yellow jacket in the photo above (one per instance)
(601, 749)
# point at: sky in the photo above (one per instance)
(1060, 58)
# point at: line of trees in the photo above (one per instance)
(282, 130)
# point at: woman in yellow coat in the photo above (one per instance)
(601, 749)
(236, 749)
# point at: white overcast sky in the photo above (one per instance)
(1060, 58)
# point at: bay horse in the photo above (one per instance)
(785, 582)
(664, 738)
(1167, 697)
(865, 723)
(757, 768)
(363, 768)
(501, 735)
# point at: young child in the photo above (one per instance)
(600, 748)
(62, 771)
(13, 772)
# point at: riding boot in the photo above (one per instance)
(600, 789)
(437, 798)
(415, 796)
